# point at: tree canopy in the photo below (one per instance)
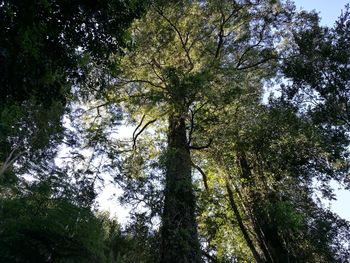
(214, 170)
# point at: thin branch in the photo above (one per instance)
(183, 42)
(221, 35)
(143, 128)
(196, 147)
(241, 225)
(193, 113)
(94, 108)
(204, 176)
(144, 81)
(256, 64)
(191, 128)
(138, 126)
(261, 38)
(157, 74)
(9, 160)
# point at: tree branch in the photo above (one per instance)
(191, 128)
(255, 64)
(183, 43)
(137, 134)
(144, 81)
(196, 147)
(204, 176)
(138, 126)
(9, 160)
(221, 35)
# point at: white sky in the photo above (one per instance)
(108, 199)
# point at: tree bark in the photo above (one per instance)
(179, 231)
(248, 182)
(267, 234)
(245, 233)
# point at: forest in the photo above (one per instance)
(236, 120)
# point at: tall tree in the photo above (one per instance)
(270, 173)
(262, 169)
(318, 75)
(187, 59)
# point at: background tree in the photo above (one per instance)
(266, 178)
(49, 225)
(44, 46)
(318, 75)
(269, 174)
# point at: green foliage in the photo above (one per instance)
(50, 225)
(144, 242)
(48, 228)
(271, 157)
(44, 49)
(320, 76)
(196, 69)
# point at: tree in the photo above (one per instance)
(187, 59)
(262, 170)
(268, 183)
(318, 75)
(49, 225)
(219, 158)
(44, 47)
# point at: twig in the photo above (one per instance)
(195, 147)
(9, 160)
(143, 128)
(204, 176)
(183, 43)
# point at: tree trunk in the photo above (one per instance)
(246, 174)
(267, 233)
(242, 227)
(179, 231)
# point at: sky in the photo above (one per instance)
(329, 11)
